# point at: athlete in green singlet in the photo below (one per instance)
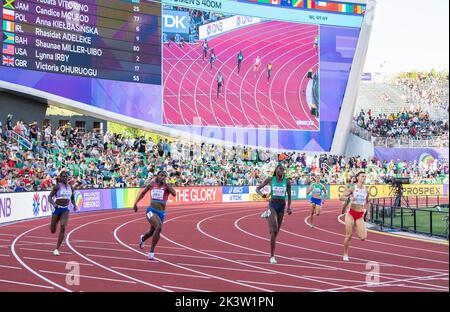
(280, 187)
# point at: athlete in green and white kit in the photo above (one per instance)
(280, 188)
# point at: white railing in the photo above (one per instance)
(441, 141)
(20, 139)
(408, 142)
(361, 132)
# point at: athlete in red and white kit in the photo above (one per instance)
(359, 198)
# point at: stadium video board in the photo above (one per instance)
(290, 80)
(143, 61)
(103, 53)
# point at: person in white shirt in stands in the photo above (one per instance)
(48, 133)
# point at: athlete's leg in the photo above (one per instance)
(349, 224)
(64, 219)
(54, 223)
(156, 223)
(273, 230)
(361, 229)
(148, 234)
(311, 214)
(318, 210)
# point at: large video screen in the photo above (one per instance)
(264, 74)
(104, 53)
(239, 72)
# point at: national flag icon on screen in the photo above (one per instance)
(8, 37)
(8, 61)
(8, 49)
(9, 4)
(8, 14)
(8, 26)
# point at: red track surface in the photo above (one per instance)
(214, 248)
(246, 101)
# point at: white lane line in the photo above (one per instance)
(91, 277)
(289, 265)
(25, 284)
(121, 258)
(36, 243)
(161, 272)
(10, 267)
(384, 243)
(166, 247)
(236, 224)
(409, 286)
(187, 256)
(46, 251)
(55, 261)
(235, 253)
(1, 255)
(12, 235)
(336, 279)
(437, 270)
(259, 251)
(376, 251)
(333, 261)
(13, 251)
(224, 268)
(5, 240)
(103, 266)
(42, 237)
(279, 285)
(188, 289)
(101, 248)
(411, 280)
(187, 248)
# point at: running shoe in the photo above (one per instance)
(266, 214)
(346, 259)
(273, 260)
(151, 256)
(141, 242)
(56, 252)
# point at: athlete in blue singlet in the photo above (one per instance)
(64, 194)
(318, 194)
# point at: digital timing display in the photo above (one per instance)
(104, 39)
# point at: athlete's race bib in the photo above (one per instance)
(279, 190)
(157, 194)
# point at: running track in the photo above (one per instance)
(190, 87)
(215, 248)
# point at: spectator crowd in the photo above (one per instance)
(415, 124)
(424, 89)
(114, 161)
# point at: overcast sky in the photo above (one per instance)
(409, 34)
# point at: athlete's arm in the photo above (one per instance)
(368, 208)
(324, 193)
(72, 199)
(258, 189)
(170, 188)
(141, 196)
(288, 189)
(345, 194)
(52, 194)
(309, 190)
